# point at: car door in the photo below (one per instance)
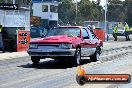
(94, 41)
(85, 48)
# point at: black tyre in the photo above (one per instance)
(81, 80)
(77, 57)
(96, 55)
(35, 60)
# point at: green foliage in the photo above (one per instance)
(115, 12)
(66, 11)
(120, 11)
(87, 10)
(4, 1)
(128, 8)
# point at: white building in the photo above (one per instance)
(47, 10)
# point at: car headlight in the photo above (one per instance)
(67, 46)
(33, 46)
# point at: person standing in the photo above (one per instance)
(93, 27)
(115, 31)
(1, 40)
(127, 32)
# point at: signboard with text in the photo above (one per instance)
(23, 39)
(6, 6)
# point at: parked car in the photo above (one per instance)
(121, 31)
(67, 42)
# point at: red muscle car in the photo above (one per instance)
(66, 42)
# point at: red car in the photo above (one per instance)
(67, 42)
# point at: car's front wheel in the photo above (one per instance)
(96, 56)
(35, 60)
(77, 57)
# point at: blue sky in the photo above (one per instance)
(102, 1)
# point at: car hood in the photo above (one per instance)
(55, 39)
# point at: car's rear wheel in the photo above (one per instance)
(35, 60)
(77, 57)
(96, 56)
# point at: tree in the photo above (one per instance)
(87, 10)
(4, 1)
(128, 11)
(90, 10)
(120, 11)
(66, 11)
(115, 10)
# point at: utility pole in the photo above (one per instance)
(76, 13)
(106, 15)
(13, 1)
(5, 1)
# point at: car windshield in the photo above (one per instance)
(70, 32)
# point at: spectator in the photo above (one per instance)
(1, 40)
(127, 32)
(115, 31)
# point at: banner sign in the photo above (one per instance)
(23, 39)
(83, 78)
(6, 6)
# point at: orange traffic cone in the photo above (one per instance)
(80, 71)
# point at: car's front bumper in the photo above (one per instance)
(51, 52)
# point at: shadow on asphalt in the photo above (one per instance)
(54, 64)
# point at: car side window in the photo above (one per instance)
(85, 34)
